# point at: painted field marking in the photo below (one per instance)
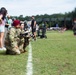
(29, 62)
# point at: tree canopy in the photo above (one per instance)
(60, 19)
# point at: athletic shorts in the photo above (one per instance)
(2, 28)
(33, 30)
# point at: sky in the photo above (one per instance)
(37, 7)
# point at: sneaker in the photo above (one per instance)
(3, 48)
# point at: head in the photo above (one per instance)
(22, 26)
(13, 19)
(33, 17)
(16, 23)
(8, 16)
(3, 11)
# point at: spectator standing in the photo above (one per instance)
(3, 13)
(9, 21)
(74, 28)
(8, 24)
(37, 30)
(33, 27)
(57, 25)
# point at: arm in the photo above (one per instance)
(1, 19)
(34, 23)
(7, 24)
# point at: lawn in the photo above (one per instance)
(13, 64)
(55, 55)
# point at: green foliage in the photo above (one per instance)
(64, 20)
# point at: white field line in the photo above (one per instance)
(29, 62)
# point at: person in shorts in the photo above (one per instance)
(33, 27)
(3, 13)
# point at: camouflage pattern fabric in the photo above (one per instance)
(14, 43)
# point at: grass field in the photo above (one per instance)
(55, 55)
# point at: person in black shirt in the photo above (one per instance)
(33, 27)
(74, 28)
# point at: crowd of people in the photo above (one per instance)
(15, 34)
(14, 37)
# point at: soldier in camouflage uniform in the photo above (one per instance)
(24, 29)
(14, 42)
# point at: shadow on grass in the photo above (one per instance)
(4, 53)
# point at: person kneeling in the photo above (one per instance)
(14, 43)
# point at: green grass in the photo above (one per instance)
(55, 55)
(12, 64)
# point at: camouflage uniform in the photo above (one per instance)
(14, 43)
